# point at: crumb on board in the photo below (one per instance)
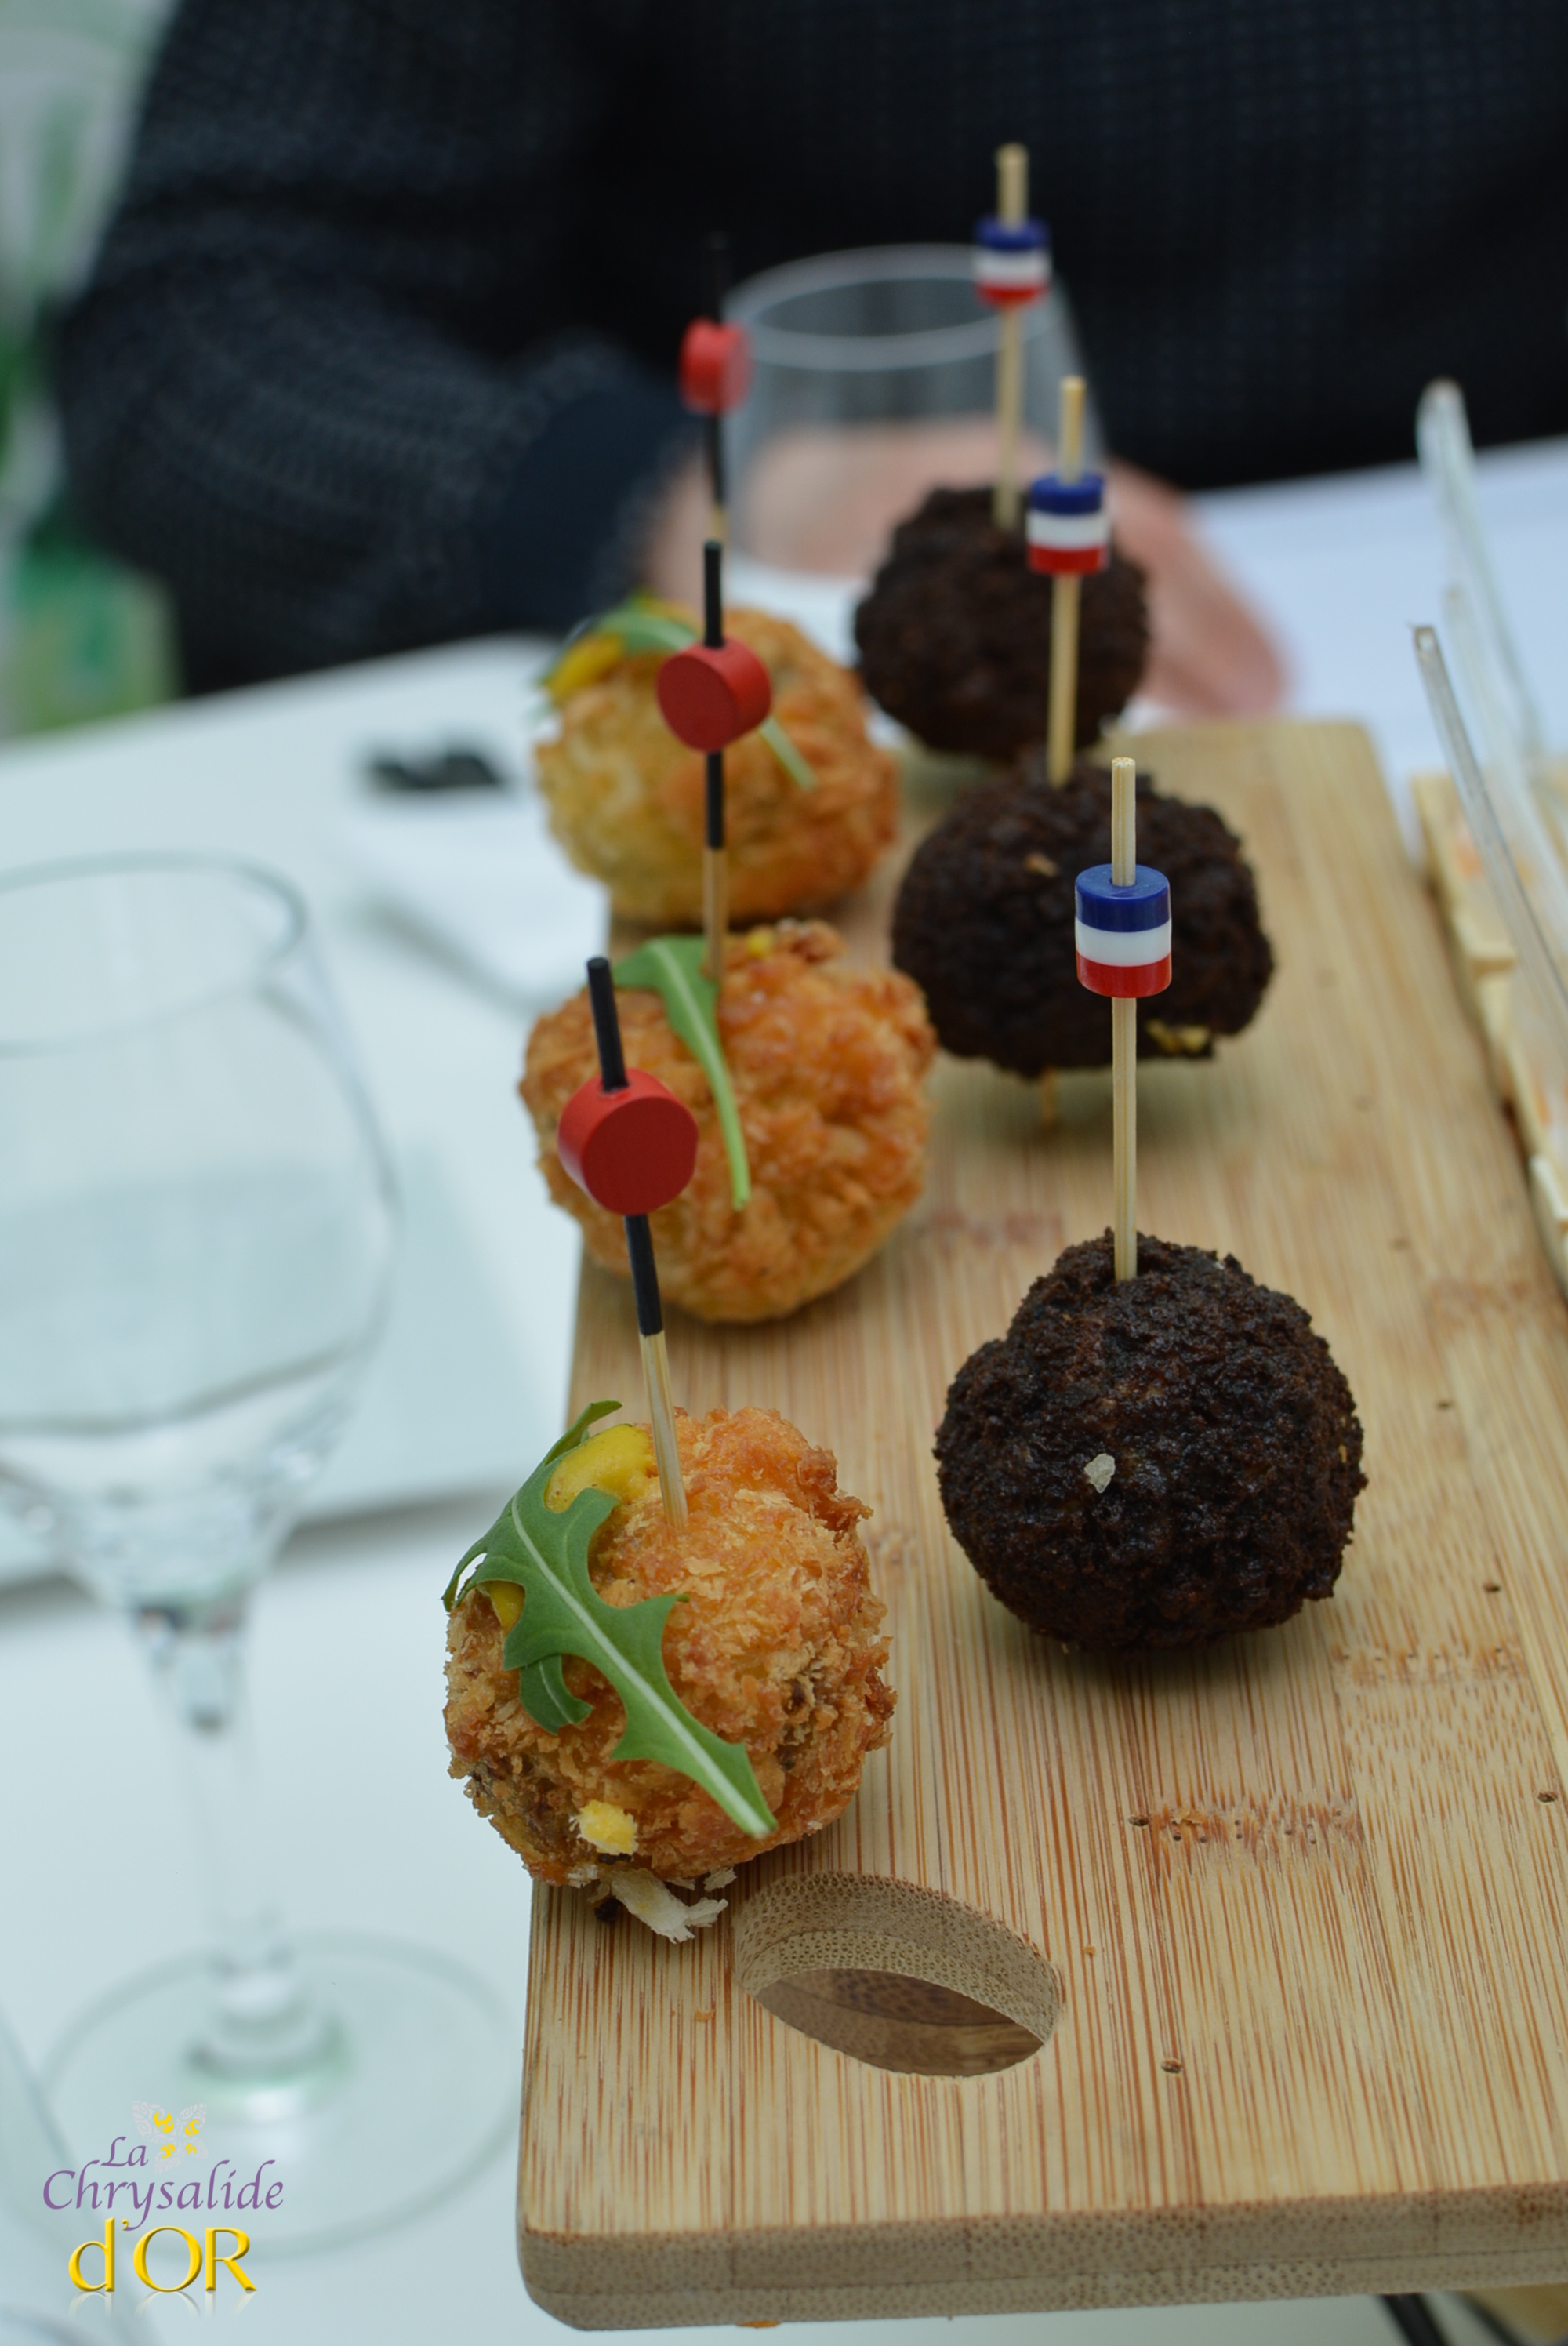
(1100, 1470)
(654, 1904)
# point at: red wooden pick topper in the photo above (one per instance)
(715, 367)
(710, 693)
(632, 1151)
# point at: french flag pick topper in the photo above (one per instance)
(1124, 934)
(1011, 261)
(1067, 528)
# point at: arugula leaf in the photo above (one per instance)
(642, 625)
(647, 628)
(578, 1432)
(788, 757)
(545, 1553)
(672, 967)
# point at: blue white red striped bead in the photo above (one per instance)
(1067, 528)
(1122, 934)
(1011, 261)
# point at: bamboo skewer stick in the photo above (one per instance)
(1061, 722)
(1124, 1029)
(655, 1367)
(1013, 210)
(714, 875)
(661, 1417)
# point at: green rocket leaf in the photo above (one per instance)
(672, 967)
(788, 757)
(545, 1553)
(639, 626)
(644, 627)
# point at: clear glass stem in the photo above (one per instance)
(264, 2041)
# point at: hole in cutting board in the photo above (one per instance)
(901, 1978)
(895, 2021)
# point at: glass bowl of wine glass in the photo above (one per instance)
(198, 1224)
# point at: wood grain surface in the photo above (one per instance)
(1285, 1920)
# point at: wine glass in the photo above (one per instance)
(196, 1230)
(873, 380)
(32, 2270)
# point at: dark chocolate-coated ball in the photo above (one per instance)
(983, 923)
(955, 635)
(1152, 1462)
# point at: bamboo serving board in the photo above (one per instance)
(1232, 1976)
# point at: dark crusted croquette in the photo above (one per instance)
(985, 925)
(954, 637)
(1158, 1461)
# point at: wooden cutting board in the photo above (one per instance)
(1288, 1915)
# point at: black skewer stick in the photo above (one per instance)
(640, 1256)
(721, 255)
(713, 595)
(606, 1024)
(714, 854)
(718, 277)
(718, 483)
(645, 1276)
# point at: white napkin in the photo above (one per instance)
(478, 878)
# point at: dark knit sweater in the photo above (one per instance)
(378, 350)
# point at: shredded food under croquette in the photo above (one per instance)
(777, 1647)
(827, 1060)
(625, 798)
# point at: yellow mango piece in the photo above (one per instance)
(506, 1599)
(604, 1827)
(584, 663)
(620, 1461)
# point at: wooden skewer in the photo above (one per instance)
(1124, 1025)
(661, 1417)
(715, 883)
(655, 1367)
(1063, 709)
(1013, 209)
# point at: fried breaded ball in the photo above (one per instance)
(625, 797)
(954, 637)
(827, 1061)
(1152, 1461)
(984, 923)
(776, 1646)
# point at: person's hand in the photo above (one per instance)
(825, 500)
(1210, 655)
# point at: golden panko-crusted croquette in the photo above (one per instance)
(777, 1648)
(827, 1061)
(625, 797)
